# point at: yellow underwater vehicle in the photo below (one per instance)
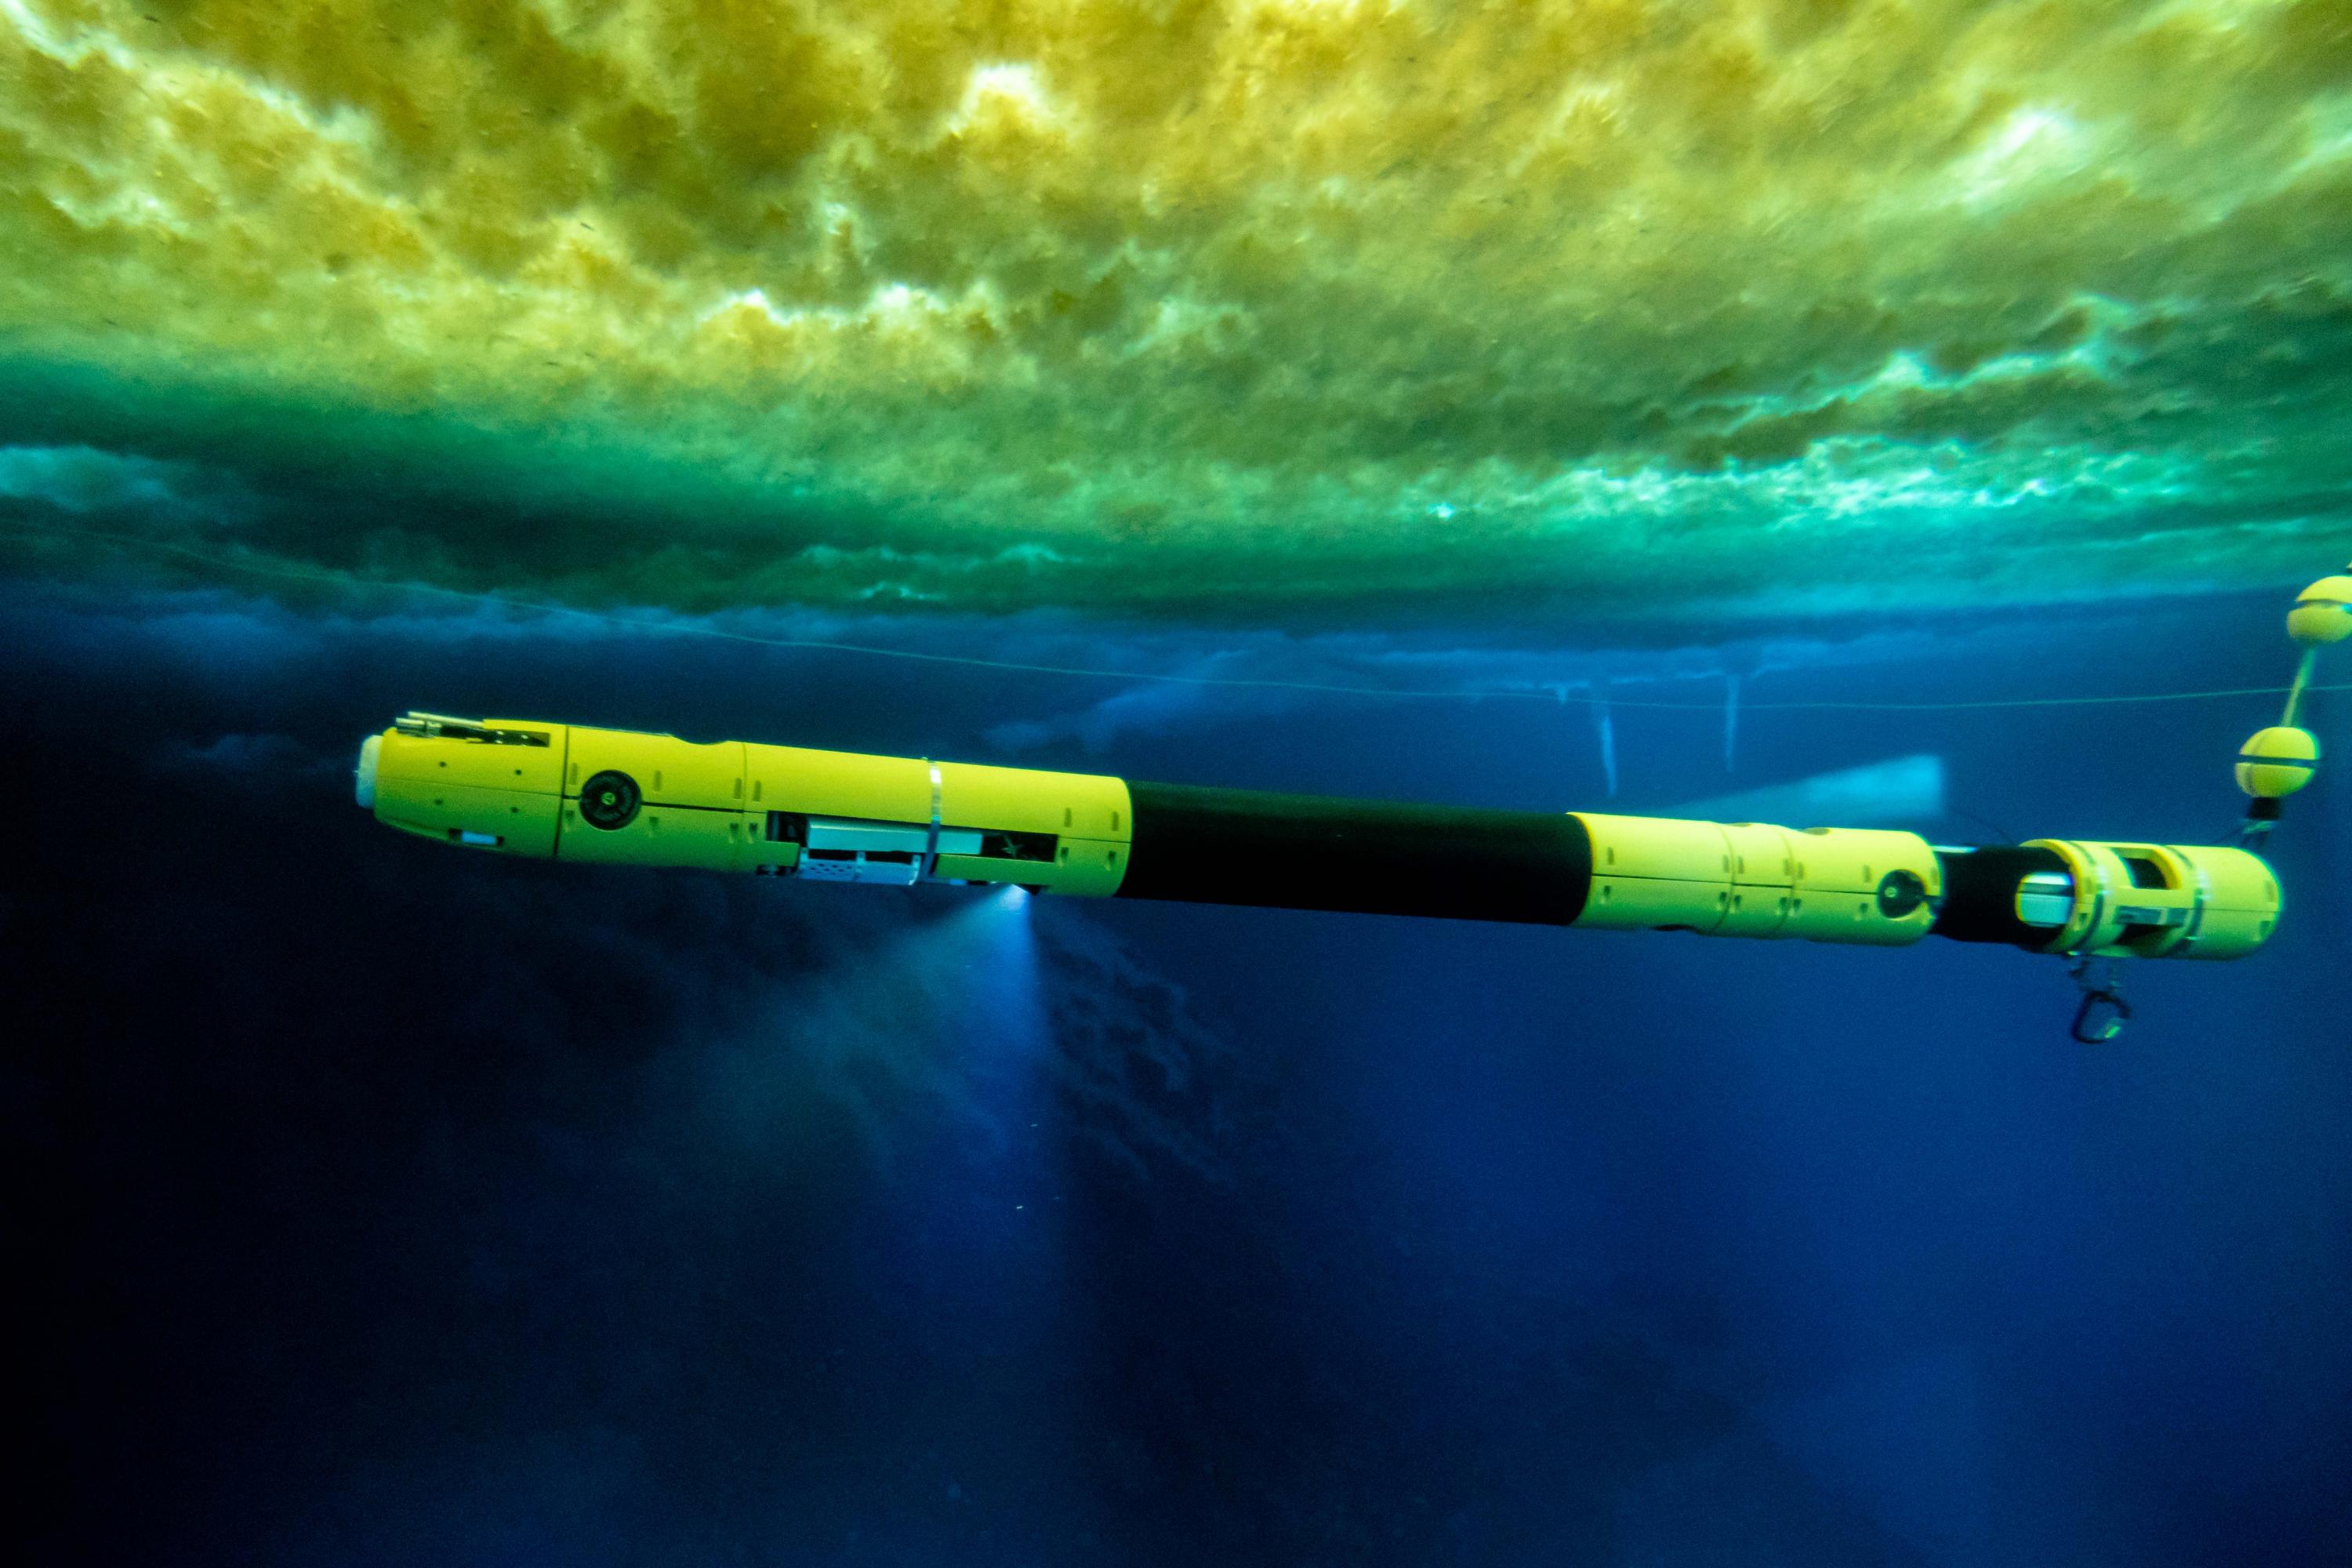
(568, 792)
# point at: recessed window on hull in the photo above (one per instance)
(1018, 846)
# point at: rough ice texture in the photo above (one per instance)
(1278, 308)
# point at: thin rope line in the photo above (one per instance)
(1539, 694)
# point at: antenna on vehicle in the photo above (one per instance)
(2276, 762)
(2272, 764)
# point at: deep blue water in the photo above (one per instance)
(389, 1204)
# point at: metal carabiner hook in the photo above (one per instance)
(2104, 1011)
(2093, 1028)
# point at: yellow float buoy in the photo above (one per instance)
(2277, 761)
(2322, 613)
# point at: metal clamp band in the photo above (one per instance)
(932, 844)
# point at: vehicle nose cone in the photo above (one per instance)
(363, 776)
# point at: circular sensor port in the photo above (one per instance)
(610, 800)
(1900, 892)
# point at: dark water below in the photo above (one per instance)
(388, 1204)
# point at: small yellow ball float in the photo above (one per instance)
(2322, 613)
(2277, 761)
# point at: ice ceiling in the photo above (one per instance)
(1334, 308)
